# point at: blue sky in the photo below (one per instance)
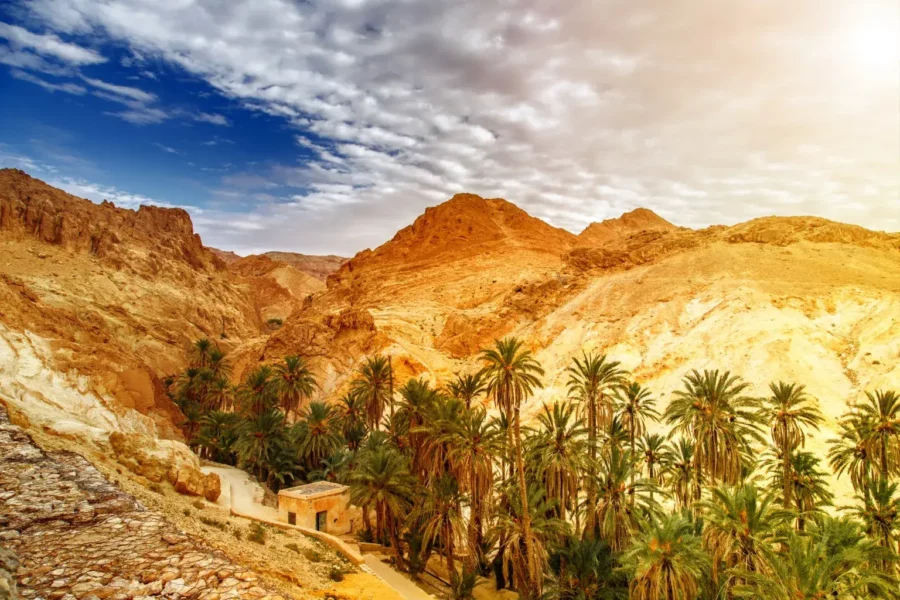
(323, 127)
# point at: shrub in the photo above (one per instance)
(312, 555)
(187, 512)
(257, 534)
(198, 504)
(155, 487)
(275, 323)
(336, 574)
(212, 523)
(294, 547)
(236, 533)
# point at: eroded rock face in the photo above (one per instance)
(164, 460)
(78, 536)
(9, 564)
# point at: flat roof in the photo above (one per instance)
(315, 489)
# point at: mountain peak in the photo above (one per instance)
(634, 221)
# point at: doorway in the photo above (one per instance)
(321, 520)
(292, 518)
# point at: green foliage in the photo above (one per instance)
(588, 500)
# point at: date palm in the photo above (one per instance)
(472, 443)
(850, 451)
(715, 413)
(257, 393)
(654, 457)
(620, 505)
(789, 409)
(635, 406)
(834, 560)
(418, 399)
(200, 352)
(808, 485)
(441, 518)
(682, 480)
(558, 454)
(351, 415)
(217, 435)
(881, 411)
(218, 363)
(468, 387)
(739, 523)
(382, 481)
(293, 382)
(586, 570)
(316, 435)
(880, 513)
(512, 375)
(591, 379)
(260, 438)
(666, 561)
(373, 384)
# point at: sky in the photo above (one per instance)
(323, 127)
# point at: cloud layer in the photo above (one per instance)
(577, 110)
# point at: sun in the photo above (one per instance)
(874, 47)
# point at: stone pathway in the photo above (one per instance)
(78, 537)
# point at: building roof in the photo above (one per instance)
(313, 490)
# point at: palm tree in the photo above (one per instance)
(666, 561)
(619, 505)
(654, 454)
(260, 439)
(351, 415)
(526, 547)
(512, 375)
(442, 519)
(373, 385)
(682, 480)
(586, 570)
(809, 487)
(739, 524)
(467, 387)
(714, 412)
(257, 393)
(217, 435)
(635, 406)
(880, 513)
(316, 434)
(590, 380)
(789, 409)
(850, 452)
(418, 399)
(382, 480)
(471, 446)
(220, 394)
(834, 560)
(293, 381)
(881, 412)
(218, 363)
(200, 352)
(558, 455)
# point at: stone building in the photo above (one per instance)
(323, 506)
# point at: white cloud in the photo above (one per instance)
(123, 91)
(69, 88)
(576, 110)
(210, 118)
(49, 45)
(168, 149)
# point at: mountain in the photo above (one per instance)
(318, 266)
(98, 303)
(635, 221)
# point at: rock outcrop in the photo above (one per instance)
(78, 536)
(635, 221)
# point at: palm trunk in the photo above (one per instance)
(530, 576)
(589, 527)
(786, 473)
(631, 436)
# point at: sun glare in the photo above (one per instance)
(874, 47)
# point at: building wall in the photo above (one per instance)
(337, 506)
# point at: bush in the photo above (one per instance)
(462, 585)
(312, 555)
(212, 523)
(155, 487)
(257, 534)
(294, 547)
(198, 504)
(236, 533)
(336, 574)
(275, 323)
(187, 512)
